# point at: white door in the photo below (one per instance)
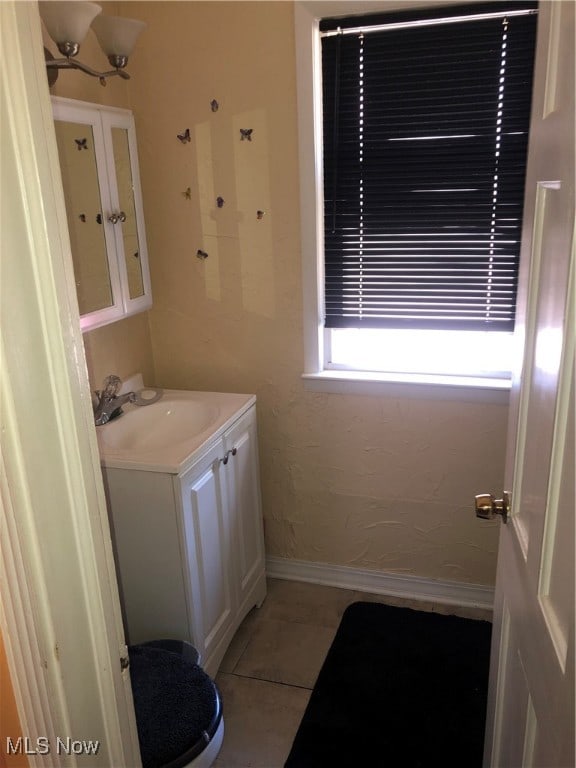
(59, 608)
(531, 694)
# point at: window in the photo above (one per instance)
(424, 140)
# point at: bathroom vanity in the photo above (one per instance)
(182, 485)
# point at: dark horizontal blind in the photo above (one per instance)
(425, 142)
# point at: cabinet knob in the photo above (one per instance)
(231, 452)
(114, 218)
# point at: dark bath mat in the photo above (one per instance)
(399, 688)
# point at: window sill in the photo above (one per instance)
(412, 385)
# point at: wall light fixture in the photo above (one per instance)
(68, 22)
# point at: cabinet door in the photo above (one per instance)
(243, 479)
(100, 178)
(86, 186)
(126, 201)
(206, 536)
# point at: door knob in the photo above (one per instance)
(487, 507)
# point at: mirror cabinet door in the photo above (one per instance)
(82, 194)
(132, 248)
(101, 181)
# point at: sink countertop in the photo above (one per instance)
(178, 452)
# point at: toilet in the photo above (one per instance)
(178, 706)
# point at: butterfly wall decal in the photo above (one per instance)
(184, 137)
(246, 134)
(81, 144)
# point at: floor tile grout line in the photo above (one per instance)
(266, 680)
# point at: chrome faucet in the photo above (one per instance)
(108, 403)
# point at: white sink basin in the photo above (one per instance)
(159, 425)
(167, 434)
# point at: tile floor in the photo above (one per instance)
(268, 673)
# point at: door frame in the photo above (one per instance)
(60, 611)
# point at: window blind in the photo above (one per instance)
(425, 143)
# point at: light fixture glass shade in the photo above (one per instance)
(117, 36)
(69, 21)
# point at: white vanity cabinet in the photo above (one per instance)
(189, 546)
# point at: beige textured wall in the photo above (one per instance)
(370, 482)
(123, 347)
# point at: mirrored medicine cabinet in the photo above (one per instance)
(100, 177)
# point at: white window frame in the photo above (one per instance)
(319, 374)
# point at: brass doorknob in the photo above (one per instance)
(487, 507)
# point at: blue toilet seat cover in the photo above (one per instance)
(177, 706)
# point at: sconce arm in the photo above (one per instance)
(74, 64)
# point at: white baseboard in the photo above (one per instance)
(378, 582)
